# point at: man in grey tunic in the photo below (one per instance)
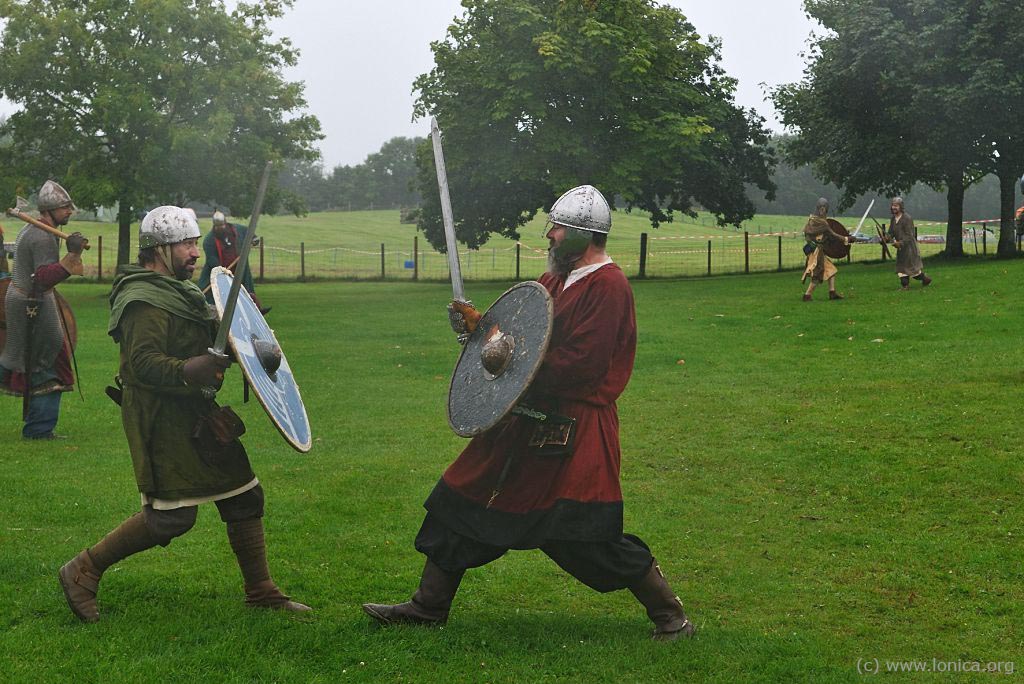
(902, 234)
(35, 333)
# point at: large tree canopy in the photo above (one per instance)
(901, 91)
(537, 96)
(149, 101)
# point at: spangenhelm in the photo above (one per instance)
(583, 207)
(167, 226)
(219, 218)
(53, 196)
(821, 208)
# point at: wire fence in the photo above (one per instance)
(650, 257)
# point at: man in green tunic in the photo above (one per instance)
(908, 258)
(164, 327)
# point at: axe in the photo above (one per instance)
(18, 212)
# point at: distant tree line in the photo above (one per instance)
(383, 181)
(798, 188)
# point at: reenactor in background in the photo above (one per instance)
(512, 489)
(908, 258)
(221, 247)
(184, 448)
(819, 267)
(35, 329)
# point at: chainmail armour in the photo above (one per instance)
(33, 248)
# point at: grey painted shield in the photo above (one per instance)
(500, 359)
(275, 389)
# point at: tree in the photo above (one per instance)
(537, 96)
(900, 91)
(150, 101)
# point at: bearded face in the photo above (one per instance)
(183, 258)
(565, 247)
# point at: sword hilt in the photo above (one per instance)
(211, 392)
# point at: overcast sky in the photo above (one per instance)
(360, 57)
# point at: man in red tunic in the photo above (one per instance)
(501, 494)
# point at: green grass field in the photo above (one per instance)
(823, 484)
(347, 245)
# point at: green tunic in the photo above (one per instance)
(160, 322)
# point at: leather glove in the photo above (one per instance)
(463, 318)
(205, 370)
(76, 242)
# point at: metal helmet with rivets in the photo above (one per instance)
(219, 218)
(53, 196)
(583, 207)
(166, 226)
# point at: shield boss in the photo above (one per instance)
(263, 363)
(500, 360)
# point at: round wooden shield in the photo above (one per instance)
(486, 387)
(835, 248)
(277, 391)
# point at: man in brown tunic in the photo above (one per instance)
(502, 493)
(819, 267)
(902, 234)
(164, 326)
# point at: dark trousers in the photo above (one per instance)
(166, 525)
(601, 565)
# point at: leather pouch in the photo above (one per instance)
(218, 428)
(554, 437)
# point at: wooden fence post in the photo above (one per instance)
(984, 238)
(302, 261)
(262, 240)
(746, 252)
(780, 252)
(709, 257)
(99, 258)
(643, 255)
(518, 247)
(415, 257)
(381, 260)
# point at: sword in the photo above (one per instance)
(863, 218)
(221, 342)
(459, 304)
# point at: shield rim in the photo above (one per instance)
(549, 301)
(301, 447)
(834, 249)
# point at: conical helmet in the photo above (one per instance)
(53, 196)
(583, 207)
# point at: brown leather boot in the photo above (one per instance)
(663, 607)
(428, 606)
(247, 541)
(266, 595)
(835, 295)
(925, 280)
(807, 297)
(81, 580)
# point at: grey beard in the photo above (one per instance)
(561, 265)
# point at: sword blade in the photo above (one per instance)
(220, 344)
(458, 293)
(863, 218)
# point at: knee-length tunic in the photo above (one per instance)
(587, 366)
(908, 256)
(160, 323)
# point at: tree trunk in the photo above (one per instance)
(955, 212)
(1007, 195)
(124, 231)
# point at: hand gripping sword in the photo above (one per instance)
(460, 304)
(221, 342)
